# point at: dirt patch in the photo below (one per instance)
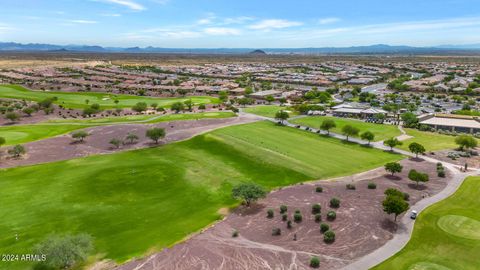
(473, 161)
(63, 147)
(361, 226)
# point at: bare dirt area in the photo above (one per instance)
(361, 226)
(472, 162)
(98, 142)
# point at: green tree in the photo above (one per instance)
(392, 142)
(394, 205)
(12, 116)
(269, 99)
(79, 135)
(368, 136)
(140, 107)
(409, 119)
(349, 130)
(2, 141)
(416, 148)
(28, 111)
(393, 167)
(465, 142)
(248, 192)
(328, 124)
(17, 151)
(314, 262)
(189, 104)
(417, 176)
(132, 137)
(223, 96)
(116, 142)
(64, 252)
(155, 134)
(177, 107)
(282, 116)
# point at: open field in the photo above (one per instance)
(268, 110)
(446, 235)
(105, 100)
(132, 207)
(381, 132)
(430, 140)
(28, 133)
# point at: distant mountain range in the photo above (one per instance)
(372, 49)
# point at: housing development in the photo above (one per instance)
(239, 135)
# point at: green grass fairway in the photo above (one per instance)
(105, 100)
(381, 132)
(446, 235)
(268, 110)
(27, 133)
(138, 201)
(430, 140)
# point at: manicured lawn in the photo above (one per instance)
(430, 140)
(105, 100)
(446, 235)
(268, 110)
(381, 132)
(138, 201)
(28, 133)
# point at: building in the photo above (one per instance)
(451, 122)
(356, 110)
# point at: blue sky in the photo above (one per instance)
(241, 23)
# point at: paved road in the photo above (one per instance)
(405, 225)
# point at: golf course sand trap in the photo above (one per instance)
(427, 266)
(460, 226)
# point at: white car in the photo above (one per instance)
(413, 215)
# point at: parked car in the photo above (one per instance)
(413, 215)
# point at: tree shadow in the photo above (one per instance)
(417, 159)
(389, 225)
(393, 177)
(254, 209)
(419, 187)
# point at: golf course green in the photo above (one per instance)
(132, 207)
(382, 132)
(106, 101)
(18, 134)
(446, 235)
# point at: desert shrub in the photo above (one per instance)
(372, 186)
(235, 233)
(331, 215)
(314, 262)
(270, 213)
(284, 217)
(289, 224)
(324, 227)
(329, 237)
(406, 196)
(276, 231)
(318, 217)
(335, 203)
(441, 173)
(283, 209)
(319, 189)
(297, 217)
(316, 208)
(350, 186)
(297, 211)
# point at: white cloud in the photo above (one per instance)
(127, 3)
(274, 24)
(204, 21)
(82, 21)
(329, 20)
(111, 15)
(237, 20)
(221, 31)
